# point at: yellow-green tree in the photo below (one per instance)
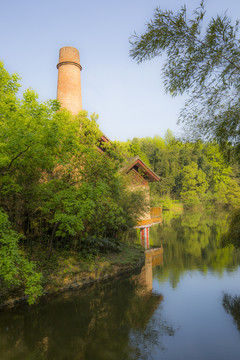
(194, 184)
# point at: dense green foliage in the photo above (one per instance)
(195, 173)
(14, 266)
(55, 186)
(202, 60)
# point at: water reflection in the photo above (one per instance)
(129, 319)
(232, 306)
(145, 339)
(96, 323)
(153, 257)
(193, 242)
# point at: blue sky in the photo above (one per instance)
(129, 98)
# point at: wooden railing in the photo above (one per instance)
(156, 212)
(155, 217)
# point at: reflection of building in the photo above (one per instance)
(69, 96)
(153, 257)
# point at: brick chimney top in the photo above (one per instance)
(69, 55)
(69, 80)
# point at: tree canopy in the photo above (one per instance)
(193, 172)
(56, 188)
(202, 60)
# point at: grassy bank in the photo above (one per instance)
(69, 270)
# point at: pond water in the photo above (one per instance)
(183, 304)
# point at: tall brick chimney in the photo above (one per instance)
(69, 80)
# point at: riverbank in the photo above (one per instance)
(68, 270)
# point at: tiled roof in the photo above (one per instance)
(137, 164)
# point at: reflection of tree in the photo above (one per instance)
(192, 241)
(233, 234)
(145, 341)
(232, 306)
(87, 324)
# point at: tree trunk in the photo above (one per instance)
(51, 240)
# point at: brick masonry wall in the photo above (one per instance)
(136, 181)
